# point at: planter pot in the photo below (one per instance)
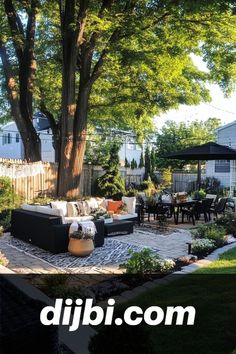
(80, 248)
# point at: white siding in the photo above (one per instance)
(225, 136)
(10, 148)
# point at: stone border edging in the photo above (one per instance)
(130, 294)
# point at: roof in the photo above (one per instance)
(226, 126)
(40, 122)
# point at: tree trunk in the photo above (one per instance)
(69, 38)
(21, 105)
(31, 141)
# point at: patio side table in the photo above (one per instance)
(119, 227)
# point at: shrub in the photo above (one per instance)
(131, 193)
(211, 185)
(198, 195)
(146, 262)
(111, 184)
(202, 247)
(228, 221)
(211, 232)
(5, 219)
(3, 260)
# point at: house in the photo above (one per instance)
(224, 170)
(11, 146)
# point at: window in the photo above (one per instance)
(17, 138)
(222, 166)
(9, 138)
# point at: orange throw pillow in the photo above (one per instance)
(114, 206)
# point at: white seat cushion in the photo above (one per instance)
(69, 220)
(29, 207)
(124, 216)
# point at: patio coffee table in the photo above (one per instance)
(119, 227)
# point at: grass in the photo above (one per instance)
(212, 291)
(225, 265)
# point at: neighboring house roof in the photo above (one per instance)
(226, 126)
(40, 122)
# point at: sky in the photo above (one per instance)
(219, 107)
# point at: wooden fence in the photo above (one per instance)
(184, 182)
(40, 179)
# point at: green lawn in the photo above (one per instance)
(225, 265)
(213, 293)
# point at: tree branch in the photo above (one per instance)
(16, 28)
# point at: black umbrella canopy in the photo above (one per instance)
(208, 151)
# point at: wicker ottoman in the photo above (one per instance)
(119, 227)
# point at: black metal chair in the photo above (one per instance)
(219, 208)
(204, 208)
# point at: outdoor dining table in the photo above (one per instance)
(176, 206)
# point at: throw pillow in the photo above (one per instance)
(130, 204)
(114, 206)
(59, 204)
(72, 209)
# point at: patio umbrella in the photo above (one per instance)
(208, 151)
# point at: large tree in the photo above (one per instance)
(174, 137)
(118, 63)
(19, 67)
(132, 60)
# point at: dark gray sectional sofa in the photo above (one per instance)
(47, 231)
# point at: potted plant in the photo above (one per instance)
(81, 242)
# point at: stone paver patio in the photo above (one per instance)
(170, 245)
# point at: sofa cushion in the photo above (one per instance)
(92, 203)
(69, 220)
(101, 203)
(29, 207)
(72, 209)
(124, 216)
(60, 204)
(114, 206)
(130, 203)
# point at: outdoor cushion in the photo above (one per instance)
(68, 220)
(72, 209)
(28, 207)
(114, 206)
(130, 203)
(60, 204)
(101, 202)
(92, 203)
(124, 216)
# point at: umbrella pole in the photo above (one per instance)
(199, 174)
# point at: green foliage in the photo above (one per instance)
(8, 199)
(202, 247)
(228, 222)
(147, 162)
(127, 164)
(141, 162)
(211, 232)
(3, 260)
(146, 185)
(212, 185)
(131, 192)
(198, 195)
(5, 219)
(111, 184)
(166, 178)
(174, 137)
(146, 262)
(133, 164)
